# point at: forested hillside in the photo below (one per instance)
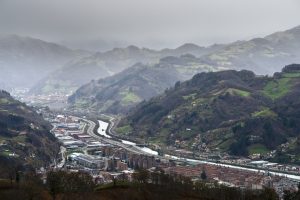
(233, 111)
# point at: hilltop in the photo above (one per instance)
(118, 93)
(233, 111)
(24, 135)
(262, 55)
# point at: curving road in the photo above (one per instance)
(131, 148)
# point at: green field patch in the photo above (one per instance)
(265, 112)
(226, 144)
(4, 101)
(191, 96)
(292, 144)
(238, 92)
(5, 153)
(160, 139)
(124, 129)
(20, 138)
(291, 75)
(278, 88)
(257, 149)
(58, 86)
(130, 97)
(81, 103)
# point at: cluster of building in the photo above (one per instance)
(101, 160)
(70, 132)
(236, 177)
(253, 162)
(107, 162)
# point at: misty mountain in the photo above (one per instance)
(234, 111)
(262, 55)
(119, 93)
(25, 60)
(101, 65)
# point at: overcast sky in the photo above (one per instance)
(149, 23)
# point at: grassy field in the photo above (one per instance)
(58, 86)
(81, 103)
(3, 101)
(130, 97)
(5, 153)
(124, 129)
(238, 92)
(277, 89)
(291, 75)
(191, 96)
(257, 148)
(265, 112)
(226, 144)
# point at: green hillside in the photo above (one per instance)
(233, 111)
(24, 136)
(118, 93)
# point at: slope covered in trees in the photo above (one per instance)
(25, 139)
(233, 111)
(118, 93)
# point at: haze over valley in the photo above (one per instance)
(150, 100)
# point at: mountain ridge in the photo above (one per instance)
(104, 64)
(25, 60)
(261, 55)
(122, 91)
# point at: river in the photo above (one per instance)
(103, 128)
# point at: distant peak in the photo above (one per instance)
(132, 47)
(188, 55)
(189, 46)
(259, 41)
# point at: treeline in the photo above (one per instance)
(58, 185)
(143, 184)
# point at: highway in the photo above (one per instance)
(131, 148)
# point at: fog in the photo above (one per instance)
(100, 25)
(148, 23)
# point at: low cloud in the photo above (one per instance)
(154, 23)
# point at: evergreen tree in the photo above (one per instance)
(203, 175)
